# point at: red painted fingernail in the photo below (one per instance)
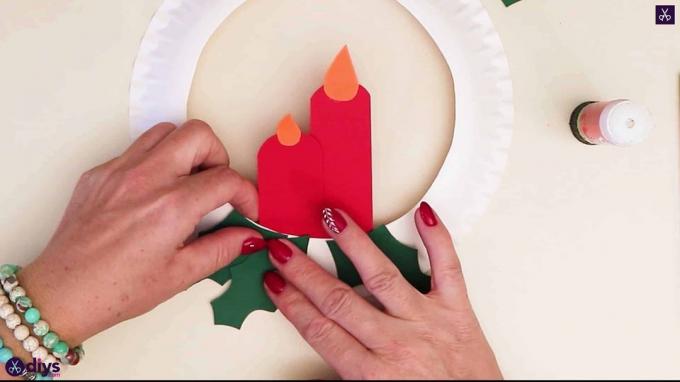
(334, 220)
(280, 252)
(252, 245)
(427, 214)
(274, 282)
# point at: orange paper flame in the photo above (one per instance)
(288, 132)
(341, 83)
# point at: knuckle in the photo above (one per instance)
(397, 351)
(337, 303)
(382, 282)
(223, 255)
(197, 126)
(130, 181)
(466, 331)
(228, 176)
(87, 178)
(292, 303)
(318, 330)
(426, 332)
(89, 174)
(164, 209)
(151, 133)
(134, 177)
(164, 125)
(302, 271)
(227, 181)
(452, 273)
(94, 174)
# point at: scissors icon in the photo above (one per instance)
(665, 17)
(14, 368)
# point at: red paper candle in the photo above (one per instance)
(299, 175)
(290, 181)
(341, 122)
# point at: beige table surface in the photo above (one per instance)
(574, 271)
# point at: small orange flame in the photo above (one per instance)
(341, 83)
(288, 132)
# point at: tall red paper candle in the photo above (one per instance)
(290, 185)
(341, 121)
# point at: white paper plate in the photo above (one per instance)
(471, 173)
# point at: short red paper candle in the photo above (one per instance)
(290, 185)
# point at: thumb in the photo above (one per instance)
(213, 251)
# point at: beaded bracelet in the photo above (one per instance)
(21, 333)
(6, 354)
(23, 304)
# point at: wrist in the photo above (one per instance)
(53, 299)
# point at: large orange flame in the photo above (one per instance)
(341, 82)
(288, 132)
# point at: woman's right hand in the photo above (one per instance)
(417, 336)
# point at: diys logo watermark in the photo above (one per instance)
(15, 367)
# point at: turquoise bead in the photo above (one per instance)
(32, 315)
(60, 349)
(7, 270)
(5, 355)
(50, 339)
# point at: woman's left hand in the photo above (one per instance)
(125, 242)
(417, 336)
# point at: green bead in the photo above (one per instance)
(5, 355)
(50, 339)
(60, 349)
(7, 270)
(41, 328)
(1, 343)
(32, 315)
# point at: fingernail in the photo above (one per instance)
(334, 220)
(427, 214)
(252, 245)
(280, 252)
(274, 282)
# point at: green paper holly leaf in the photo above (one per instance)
(509, 2)
(403, 256)
(246, 293)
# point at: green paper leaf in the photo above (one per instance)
(246, 293)
(403, 256)
(346, 271)
(223, 275)
(509, 2)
